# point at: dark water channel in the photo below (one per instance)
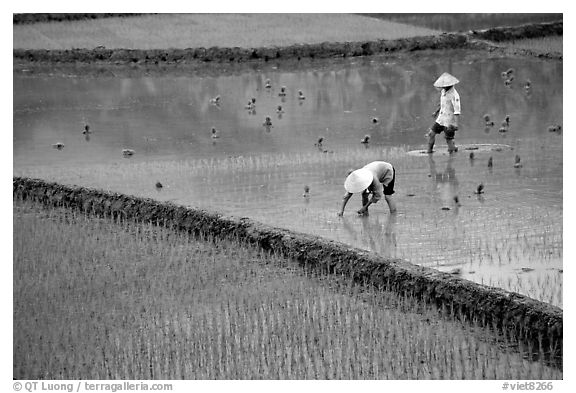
(510, 236)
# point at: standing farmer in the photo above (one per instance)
(376, 178)
(447, 114)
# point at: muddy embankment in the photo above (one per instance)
(23, 19)
(481, 39)
(534, 322)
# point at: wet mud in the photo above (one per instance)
(540, 324)
(478, 39)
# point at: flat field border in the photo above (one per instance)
(537, 323)
(488, 39)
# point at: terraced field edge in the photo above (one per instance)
(477, 39)
(532, 321)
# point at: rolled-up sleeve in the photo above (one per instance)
(456, 103)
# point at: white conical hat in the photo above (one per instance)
(358, 180)
(445, 80)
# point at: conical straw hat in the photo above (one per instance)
(445, 80)
(358, 181)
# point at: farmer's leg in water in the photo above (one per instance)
(431, 140)
(431, 136)
(389, 191)
(391, 203)
(449, 134)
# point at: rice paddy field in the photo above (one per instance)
(509, 236)
(96, 298)
(207, 30)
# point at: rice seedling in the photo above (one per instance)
(97, 298)
(241, 163)
(208, 30)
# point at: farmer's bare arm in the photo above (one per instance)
(364, 208)
(377, 190)
(344, 202)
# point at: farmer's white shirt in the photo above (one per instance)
(449, 106)
(383, 174)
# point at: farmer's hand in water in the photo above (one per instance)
(363, 211)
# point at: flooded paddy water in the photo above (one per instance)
(509, 236)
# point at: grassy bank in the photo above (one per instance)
(207, 30)
(97, 299)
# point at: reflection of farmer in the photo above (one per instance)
(376, 178)
(385, 241)
(446, 181)
(390, 241)
(381, 238)
(447, 114)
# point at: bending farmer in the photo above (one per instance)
(376, 178)
(447, 114)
